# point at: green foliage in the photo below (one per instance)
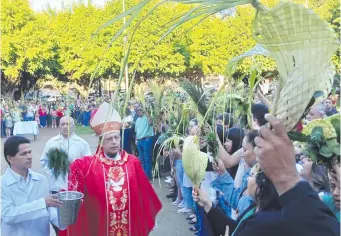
(29, 48)
(298, 137)
(57, 43)
(336, 124)
(321, 147)
(330, 11)
(58, 162)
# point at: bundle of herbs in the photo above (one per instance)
(58, 162)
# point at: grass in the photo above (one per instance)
(83, 130)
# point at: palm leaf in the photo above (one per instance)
(197, 94)
(58, 162)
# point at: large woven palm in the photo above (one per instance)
(302, 45)
(194, 161)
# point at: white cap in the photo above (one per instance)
(106, 120)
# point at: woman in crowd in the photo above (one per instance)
(43, 117)
(233, 142)
(237, 197)
(316, 175)
(327, 188)
(259, 187)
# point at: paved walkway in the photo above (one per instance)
(169, 222)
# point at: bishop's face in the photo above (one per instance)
(111, 143)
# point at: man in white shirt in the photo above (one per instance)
(26, 206)
(72, 144)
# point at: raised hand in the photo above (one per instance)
(276, 155)
(219, 166)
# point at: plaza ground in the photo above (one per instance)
(169, 222)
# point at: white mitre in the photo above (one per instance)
(106, 120)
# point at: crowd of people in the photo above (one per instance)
(259, 184)
(46, 114)
(238, 194)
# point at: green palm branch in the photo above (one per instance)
(274, 30)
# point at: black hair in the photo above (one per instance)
(320, 178)
(258, 111)
(220, 133)
(236, 136)
(228, 120)
(11, 146)
(251, 135)
(266, 193)
(195, 121)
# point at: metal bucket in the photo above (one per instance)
(67, 214)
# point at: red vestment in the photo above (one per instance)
(118, 198)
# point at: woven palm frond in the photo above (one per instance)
(302, 45)
(194, 161)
